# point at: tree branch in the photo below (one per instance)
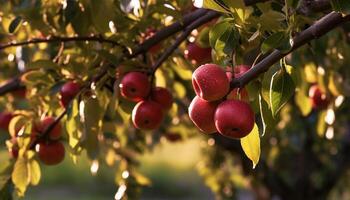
(321, 27)
(187, 31)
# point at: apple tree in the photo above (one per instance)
(264, 84)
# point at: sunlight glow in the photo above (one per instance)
(330, 133)
(120, 193)
(94, 167)
(330, 117)
(198, 3)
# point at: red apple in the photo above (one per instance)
(319, 99)
(50, 153)
(147, 115)
(210, 82)
(135, 86)
(163, 97)
(201, 113)
(197, 54)
(5, 118)
(54, 134)
(237, 94)
(68, 91)
(234, 119)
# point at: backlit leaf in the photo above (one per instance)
(251, 145)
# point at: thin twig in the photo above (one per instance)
(54, 39)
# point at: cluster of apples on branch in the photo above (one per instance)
(217, 108)
(46, 133)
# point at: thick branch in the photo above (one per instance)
(321, 27)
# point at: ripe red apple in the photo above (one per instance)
(237, 94)
(5, 118)
(197, 54)
(210, 82)
(54, 134)
(147, 115)
(135, 86)
(319, 99)
(201, 113)
(234, 119)
(50, 153)
(163, 97)
(68, 91)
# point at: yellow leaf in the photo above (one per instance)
(20, 176)
(251, 145)
(35, 173)
(311, 72)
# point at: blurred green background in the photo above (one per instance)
(170, 167)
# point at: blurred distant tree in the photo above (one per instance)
(112, 78)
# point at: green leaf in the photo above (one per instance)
(281, 90)
(20, 176)
(272, 20)
(92, 120)
(266, 116)
(15, 24)
(251, 145)
(35, 173)
(272, 42)
(227, 41)
(73, 126)
(218, 30)
(266, 82)
(217, 5)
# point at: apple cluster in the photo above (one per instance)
(217, 109)
(48, 147)
(50, 150)
(152, 102)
